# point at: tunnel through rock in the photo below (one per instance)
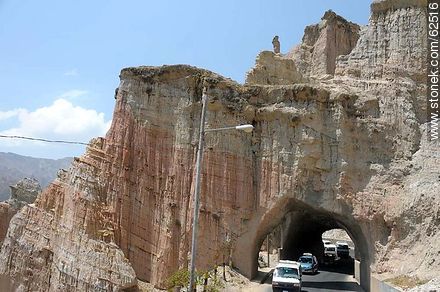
(301, 227)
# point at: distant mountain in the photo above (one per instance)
(14, 167)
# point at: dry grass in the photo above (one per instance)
(406, 282)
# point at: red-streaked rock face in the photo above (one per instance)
(152, 141)
(6, 213)
(56, 243)
(340, 152)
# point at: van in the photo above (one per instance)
(287, 276)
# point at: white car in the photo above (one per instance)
(326, 242)
(330, 253)
(287, 276)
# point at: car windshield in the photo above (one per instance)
(305, 260)
(343, 246)
(330, 248)
(286, 272)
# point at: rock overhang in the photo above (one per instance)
(378, 6)
(250, 103)
(226, 89)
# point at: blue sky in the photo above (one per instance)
(60, 59)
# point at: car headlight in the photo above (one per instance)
(275, 283)
(296, 285)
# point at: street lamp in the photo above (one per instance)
(247, 129)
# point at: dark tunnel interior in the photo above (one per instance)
(303, 234)
(300, 231)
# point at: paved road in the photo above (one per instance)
(336, 278)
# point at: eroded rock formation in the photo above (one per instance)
(393, 45)
(314, 58)
(61, 241)
(273, 69)
(23, 192)
(323, 43)
(348, 150)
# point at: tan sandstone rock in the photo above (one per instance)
(273, 69)
(345, 151)
(63, 241)
(323, 43)
(22, 193)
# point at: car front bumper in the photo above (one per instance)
(330, 257)
(343, 254)
(285, 287)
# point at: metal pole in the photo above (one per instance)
(280, 250)
(268, 252)
(192, 287)
(282, 234)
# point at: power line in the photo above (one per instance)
(43, 140)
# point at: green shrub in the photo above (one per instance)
(179, 278)
(214, 283)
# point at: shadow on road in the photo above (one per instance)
(267, 279)
(343, 266)
(339, 285)
(263, 277)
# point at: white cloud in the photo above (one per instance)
(71, 94)
(4, 115)
(60, 120)
(71, 72)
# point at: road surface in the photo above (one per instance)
(336, 278)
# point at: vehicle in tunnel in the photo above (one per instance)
(309, 263)
(300, 229)
(287, 276)
(330, 254)
(342, 250)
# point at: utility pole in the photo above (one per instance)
(246, 128)
(197, 193)
(280, 250)
(281, 236)
(268, 252)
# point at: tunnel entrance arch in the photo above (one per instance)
(302, 226)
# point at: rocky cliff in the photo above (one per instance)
(346, 150)
(393, 45)
(323, 43)
(314, 58)
(48, 244)
(22, 193)
(14, 167)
